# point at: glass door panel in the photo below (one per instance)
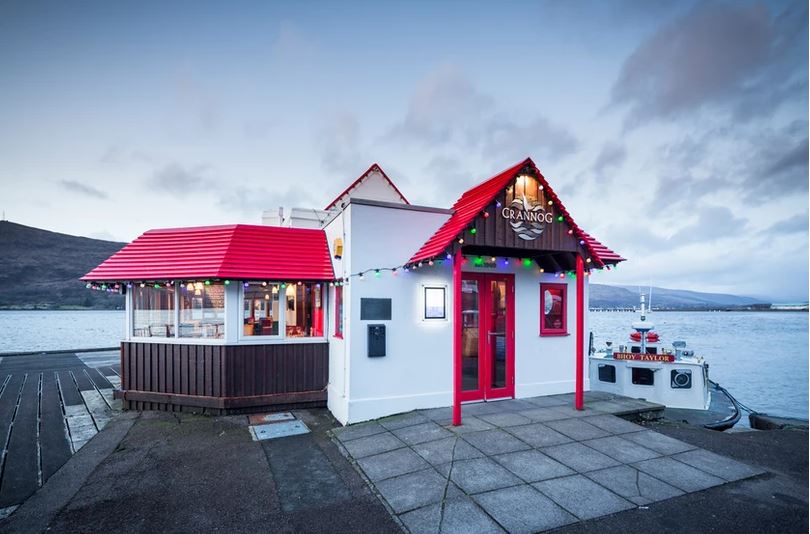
(497, 334)
(470, 334)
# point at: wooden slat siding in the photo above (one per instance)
(495, 231)
(252, 373)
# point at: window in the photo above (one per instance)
(202, 310)
(527, 187)
(553, 310)
(643, 376)
(153, 311)
(607, 373)
(303, 310)
(339, 311)
(435, 303)
(261, 313)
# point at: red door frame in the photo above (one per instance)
(485, 352)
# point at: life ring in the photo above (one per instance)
(652, 337)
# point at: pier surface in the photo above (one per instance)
(50, 406)
(176, 472)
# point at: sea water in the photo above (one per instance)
(760, 357)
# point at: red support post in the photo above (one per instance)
(578, 394)
(457, 259)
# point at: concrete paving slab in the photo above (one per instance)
(402, 420)
(538, 435)
(422, 433)
(357, 431)
(571, 412)
(613, 424)
(546, 401)
(659, 442)
(579, 457)
(481, 474)
(469, 424)
(717, 465)
(622, 450)
(446, 450)
(577, 429)
(463, 516)
(541, 415)
(634, 485)
(391, 464)
(372, 445)
(583, 497)
(680, 475)
(505, 419)
(494, 442)
(515, 405)
(414, 490)
(438, 414)
(481, 408)
(532, 466)
(425, 520)
(523, 509)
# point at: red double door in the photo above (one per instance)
(487, 336)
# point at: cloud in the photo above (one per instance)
(791, 225)
(253, 201)
(339, 140)
(181, 180)
(733, 56)
(76, 187)
(447, 111)
(713, 223)
(611, 157)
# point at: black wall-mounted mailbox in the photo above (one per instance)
(376, 340)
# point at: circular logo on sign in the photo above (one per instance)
(527, 220)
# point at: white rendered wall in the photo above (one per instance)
(417, 369)
(337, 390)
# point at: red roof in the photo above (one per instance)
(374, 167)
(473, 202)
(237, 251)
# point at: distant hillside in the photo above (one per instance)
(41, 269)
(605, 296)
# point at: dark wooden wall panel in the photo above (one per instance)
(163, 376)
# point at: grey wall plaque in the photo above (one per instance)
(375, 309)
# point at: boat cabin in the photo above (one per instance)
(372, 306)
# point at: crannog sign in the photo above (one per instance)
(527, 219)
(643, 357)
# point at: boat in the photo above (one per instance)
(676, 377)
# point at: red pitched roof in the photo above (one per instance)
(237, 251)
(374, 167)
(472, 202)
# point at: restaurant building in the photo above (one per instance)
(372, 306)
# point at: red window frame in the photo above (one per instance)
(547, 331)
(339, 312)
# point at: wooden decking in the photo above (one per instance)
(50, 406)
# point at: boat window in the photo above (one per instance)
(553, 309)
(643, 376)
(607, 373)
(303, 310)
(202, 310)
(260, 309)
(153, 310)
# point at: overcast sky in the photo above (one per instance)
(675, 132)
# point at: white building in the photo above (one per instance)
(420, 307)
